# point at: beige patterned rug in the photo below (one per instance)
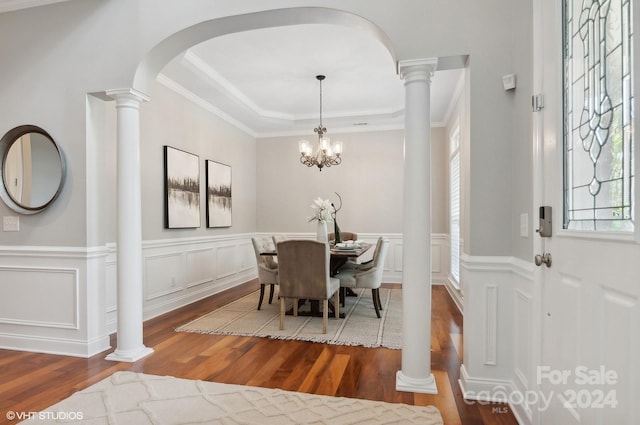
(135, 398)
(360, 326)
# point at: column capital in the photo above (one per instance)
(417, 68)
(128, 94)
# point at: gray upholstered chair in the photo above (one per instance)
(368, 275)
(345, 236)
(267, 266)
(304, 274)
(278, 238)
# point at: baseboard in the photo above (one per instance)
(455, 294)
(57, 346)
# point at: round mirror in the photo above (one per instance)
(32, 169)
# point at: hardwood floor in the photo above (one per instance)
(30, 382)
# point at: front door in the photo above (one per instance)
(589, 367)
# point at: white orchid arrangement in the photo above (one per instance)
(323, 211)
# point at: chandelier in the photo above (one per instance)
(326, 153)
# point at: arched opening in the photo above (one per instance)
(128, 101)
(172, 46)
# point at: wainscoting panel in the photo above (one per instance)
(500, 333)
(396, 258)
(163, 274)
(40, 297)
(201, 267)
(227, 263)
(53, 300)
(491, 324)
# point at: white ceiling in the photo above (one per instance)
(264, 81)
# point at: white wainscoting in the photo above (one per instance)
(393, 262)
(177, 272)
(499, 330)
(52, 299)
(63, 300)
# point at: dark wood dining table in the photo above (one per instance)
(339, 256)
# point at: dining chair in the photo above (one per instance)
(304, 274)
(367, 275)
(267, 266)
(345, 236)
(278, 238)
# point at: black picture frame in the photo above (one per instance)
(181, 189)
(219, 194)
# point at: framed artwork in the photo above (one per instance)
(218, 194)
(182, 189)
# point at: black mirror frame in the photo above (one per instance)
(5, 144)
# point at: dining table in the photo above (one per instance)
(339, 255)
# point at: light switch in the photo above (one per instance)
(11, 223)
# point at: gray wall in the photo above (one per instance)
(175, 121)
(369, 180)
(522, 151)
(92, 46)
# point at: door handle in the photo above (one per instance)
(545, 258)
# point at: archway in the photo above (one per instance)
(175, 44)
(417, 75)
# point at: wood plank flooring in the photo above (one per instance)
(30, 382)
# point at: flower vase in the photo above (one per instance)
(322, 236)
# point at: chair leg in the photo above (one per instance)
(375, 302)
(282, 307)
(378, 298)
(261, 295)
(325, 315)
(336, 304)
(295, 307)
(271, 293)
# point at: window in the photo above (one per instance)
(598, 116)
(454, 204)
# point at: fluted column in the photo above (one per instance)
(416, 375)
(130, 345)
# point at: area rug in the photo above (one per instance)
(135, 398)
(360, 326)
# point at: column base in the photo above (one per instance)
(412, 385)
(130, 355)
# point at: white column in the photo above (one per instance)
(130, 346)
(416, 375)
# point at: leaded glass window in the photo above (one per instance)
(598, 115)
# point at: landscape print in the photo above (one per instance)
(182, 189)
(218, 194)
